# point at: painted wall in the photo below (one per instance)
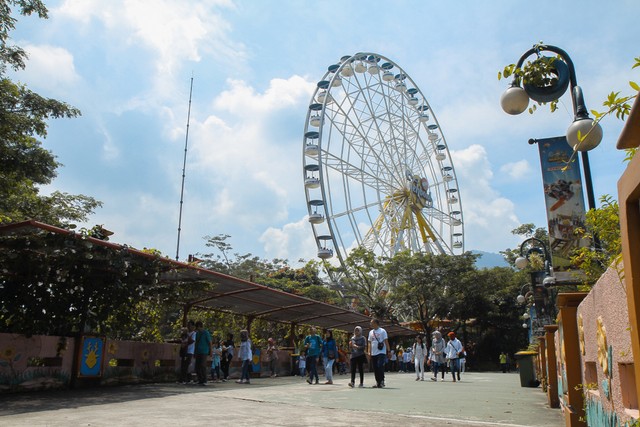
(606, 355)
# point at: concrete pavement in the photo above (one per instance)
(480, 399)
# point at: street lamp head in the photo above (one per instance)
(514, 100)
(584, 128)
(548, 281)
(526, 316)
(520, 299)
(525, 326)
(521, 262)
(555, 83)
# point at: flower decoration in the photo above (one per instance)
(581, 335)
(603, 349)
(112, 348)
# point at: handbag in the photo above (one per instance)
(331, 354)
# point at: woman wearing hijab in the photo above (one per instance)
(437, 355)
(358, 346)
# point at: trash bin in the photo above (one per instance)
(527, 369)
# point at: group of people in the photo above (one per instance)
(438, 355)
(197, 342)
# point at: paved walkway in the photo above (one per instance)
(480, 399)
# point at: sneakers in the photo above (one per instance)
(351, 385)
(375, 386)
(434, 379)
(309, 381)
(361, 386)
(240, 381)
(421, 379)
(328, 382)
(317, 382)
(417, 378)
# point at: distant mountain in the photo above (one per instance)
(489, 260)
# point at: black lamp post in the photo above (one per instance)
(541, 280)
(582, 135)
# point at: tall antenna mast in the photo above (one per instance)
(184, 167)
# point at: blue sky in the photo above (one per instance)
(127, 64)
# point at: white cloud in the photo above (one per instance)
(291, 241)
(174, 32)
(49, 66)
(488, 217)
(517, 170)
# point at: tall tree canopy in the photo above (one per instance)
(25, 164)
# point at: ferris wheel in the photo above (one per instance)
(377, 170)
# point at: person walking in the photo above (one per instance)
(202, 350)
(503, 362)
(437, 355)
(313, 346)
(302, 363)
(272, 356)
(358, 346)
(378, 350)
(419, 357)
(245, 355)
(215, 360)
(453, 352)
(329, 354)
(187, 340)
(227, 356)
(400, 356)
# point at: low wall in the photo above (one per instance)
(34, 363)
(47, 362)
(606, 358)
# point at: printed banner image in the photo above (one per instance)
(565, 204)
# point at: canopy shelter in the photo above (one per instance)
(229, 294)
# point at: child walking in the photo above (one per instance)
(215, 360)
(302, 363)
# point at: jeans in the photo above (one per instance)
(245, 370)
(215, 372)
(201, 368)
(357, 363)
(224, 365)
(328, 369)
(419, 362)
(185, 361)
(437, 367)
(312, 367)
(378, 368)
(454, 365)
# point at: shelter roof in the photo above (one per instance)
(230, 294)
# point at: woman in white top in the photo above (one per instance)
(419, 356)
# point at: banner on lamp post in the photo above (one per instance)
(564, 200)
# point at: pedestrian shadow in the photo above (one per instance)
(37, 401)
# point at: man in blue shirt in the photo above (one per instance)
(203, 350)
(313, 344)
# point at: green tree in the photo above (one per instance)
(365, 280)
(603, 222)
(24, 164)
(429, 287)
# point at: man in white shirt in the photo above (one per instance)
(378, 350)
